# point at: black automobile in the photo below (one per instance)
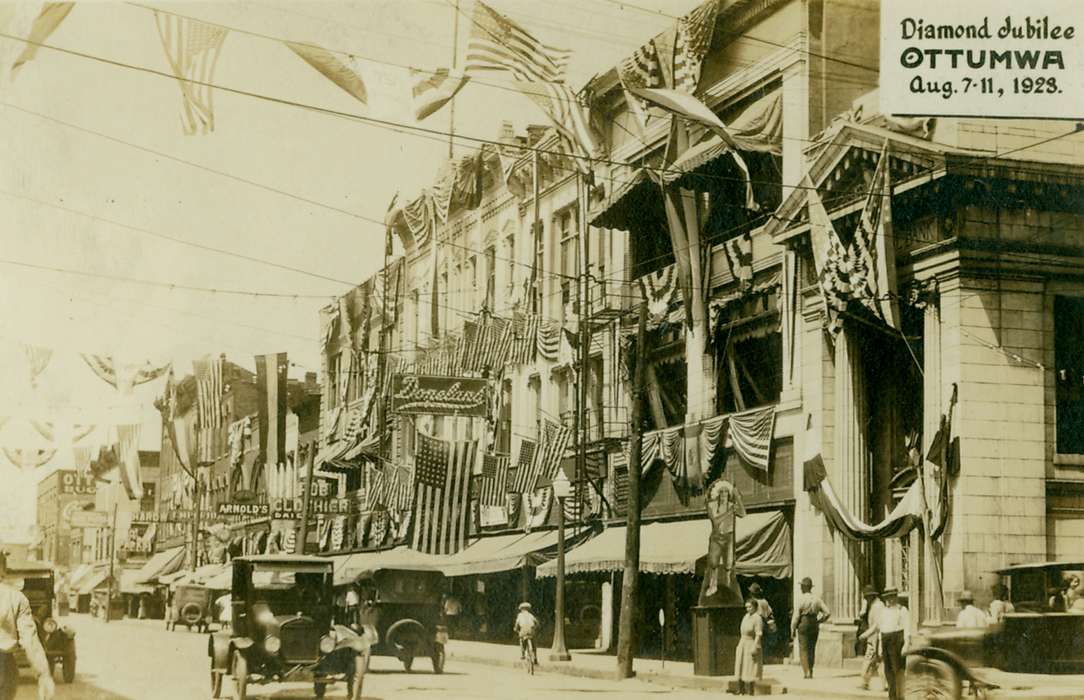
(1033, 639)
(38, 584)
(405, 608)
(282, 629)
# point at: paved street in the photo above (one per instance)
(131, 660)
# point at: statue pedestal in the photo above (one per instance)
(716, 630)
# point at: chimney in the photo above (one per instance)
(507, 132)
(310, 378)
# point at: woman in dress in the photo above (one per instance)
(749, 657)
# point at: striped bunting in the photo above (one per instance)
(523, 474)
(493, 480)
(751, 434)
(694, 32)
(568, 116)
(739, 258)
(524, 338)
(549, 339)
(498, 44)
(209, 393)
(642, 69)
(442, 494)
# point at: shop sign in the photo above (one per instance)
(75, 484)
(289, 508)
(251, 510)
(89, 518)
(460, 396)
(174, 515)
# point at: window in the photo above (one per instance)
(334, 367)
(568, 265)
(566, 397)
(356, 376)
(1069, 376)
(474, 275)
(415, 326)
(751, 373)
(534, 386)
(510, 253)
(444, 299)
(504, 425)
(491, 277)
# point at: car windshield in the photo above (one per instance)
(287, 591)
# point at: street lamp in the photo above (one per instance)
(562, 489)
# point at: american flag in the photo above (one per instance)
(493, 480)
(555, 439)
(498, 343)
(431, 90)
(549, 339)
(751, 434)
(192, 49)
(524, 338)
(442, 494)
(209, 392)
(523, 475)
(694, 32)
(642, 69)
(868, 270)
(568, 116)
(498, 44)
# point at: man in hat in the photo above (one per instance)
(524, 626)
(17, 627)
(893, 624)
(871, 608)
(810, 613)
(969, 617)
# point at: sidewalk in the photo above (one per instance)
(830, 683)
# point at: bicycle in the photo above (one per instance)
(530, 656)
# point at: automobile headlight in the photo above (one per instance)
(49, 625)
(327, 644)
(272, 645)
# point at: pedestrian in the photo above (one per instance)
(1056, 601)
(1000, 605)
(17, 626)
(810, 613)
(1072, 593)
(749, 656)
(870, 635)
(766, 613)
(969, 616)
(893, 624)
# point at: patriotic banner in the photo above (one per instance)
(498, 44)
(524, 338)
(642, 69)
(128, 449)
(524, 476)
(431, 90)
(442, 494)
(569, 117)
(209, 412)
(271, 409)
(493, 481)
(694, 33)
(192, 49)
(549, 339)
(738, 252)
(751, 436)
(874, 266)
(906, 516)
(555, 439)
(343, 72)
(50, 17)
(121, 374)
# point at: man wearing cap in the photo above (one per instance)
(872, 656)
(893, 624)
(810, 613)
(970, 617)
(524, 626)
(17, 627)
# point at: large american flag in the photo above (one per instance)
(524, 337)
(493, 481)
(495, 344)
(523, 476)
(751, 435)
(192, 49)
(442, 477)
(555, 439)
(498, 44)
(209, 412)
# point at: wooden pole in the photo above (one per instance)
(626, 633)
(303, 535)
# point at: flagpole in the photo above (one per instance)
(455, 56)
(536, 240)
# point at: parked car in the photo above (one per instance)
(189, 605)
(405, 609)
(1030, 640)
(282, 628)
(39, 587)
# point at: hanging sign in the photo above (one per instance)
(90, 518)
(462, 396)
(245, 508)
(997, 58)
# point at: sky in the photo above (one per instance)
(92, 189)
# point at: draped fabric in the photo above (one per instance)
(122, 375)
(906, 516)
(687, 451)
(549, 339)
(660, 289)
(751, 433)
(28, 459)
(128, 457)
(537, 507)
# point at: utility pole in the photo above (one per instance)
(585, 339)
(197, 498)
(630, 584)
(455, 58)
(112, 565)
(303, 536)
(536, 239)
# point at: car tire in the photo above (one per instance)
(408, 662)
(68, 666)
(216, 684)
(318, 689)
(932, 679)
(438, 658)
(240, 676)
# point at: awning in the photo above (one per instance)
(161, 564)
(762, 548)
(131, 583)
(170, 579)
(87, 586)
(78, 575)
(222, 581)
(502, 553)
(198, 577)
(348, 567)
(620, 205)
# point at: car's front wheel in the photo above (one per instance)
(240, 676)
(68, 666)
(216, 683)
(318, 689)
(932, 679)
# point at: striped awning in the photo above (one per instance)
(161, 564)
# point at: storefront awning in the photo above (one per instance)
(623, 201)
(762, 548)
(87, 586)
(349, 567)
(200, 576)
(131, 583)
(77, 576)
(222, 581)
(502, 553)
(161, 564)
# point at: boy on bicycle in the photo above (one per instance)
(525, 625)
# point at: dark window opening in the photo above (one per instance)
(1069, 375)
(750, 373)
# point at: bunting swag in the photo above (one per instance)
(28, 459)
(691, 44)
(343, 73)
(904, 517)
(537, 505)
(660, 290)
(271, 399)
(751, 434)
(431, 90)
(192, 49)
(643, 69)
(442, 494)
(50, 17)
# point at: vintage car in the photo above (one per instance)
(282, 628)
(405, 609)
(1032, 639)
(191, 606)
(38, 586)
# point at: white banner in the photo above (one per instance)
(994, 58)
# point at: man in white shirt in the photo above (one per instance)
(1000, 605)
(970, 617)
(893, 623)
(872, 657)
(17, 627)
(525, 626)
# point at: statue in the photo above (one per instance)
(723, 504)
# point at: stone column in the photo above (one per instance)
(926, 589)
(850, 476)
